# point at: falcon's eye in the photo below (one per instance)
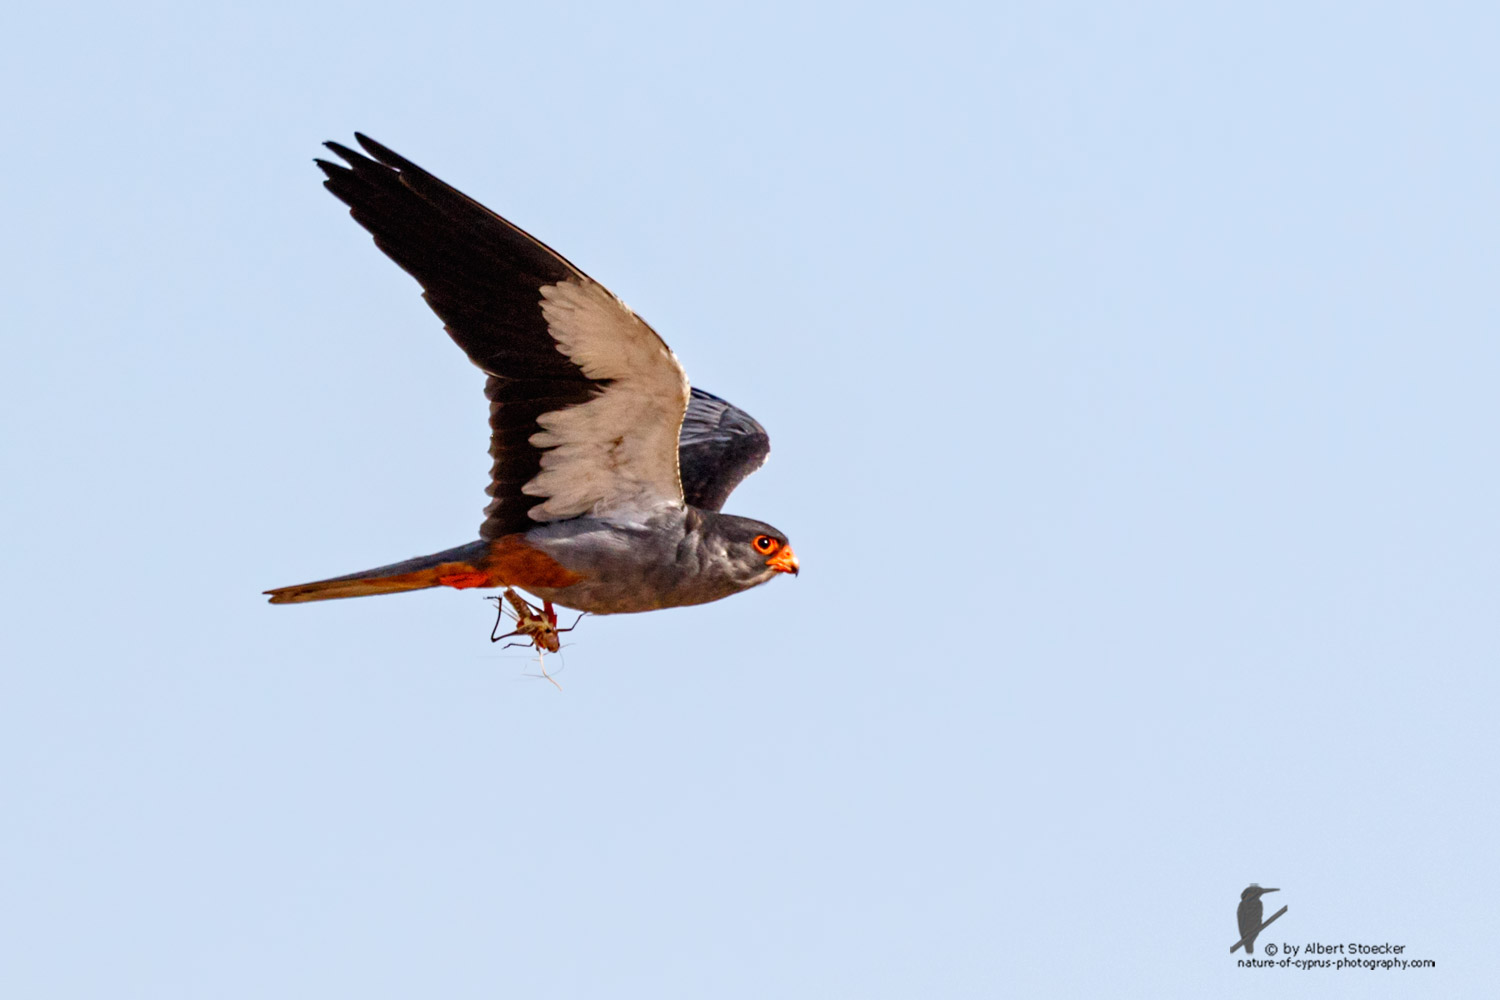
(765, 544)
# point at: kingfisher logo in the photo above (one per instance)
(1280, 953)
(1249, 914)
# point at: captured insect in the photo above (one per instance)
(536, 626)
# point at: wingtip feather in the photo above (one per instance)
(383, 153)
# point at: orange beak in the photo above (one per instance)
(784, 561)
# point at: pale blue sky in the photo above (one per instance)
(1131, 372)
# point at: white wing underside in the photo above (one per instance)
(615, 455)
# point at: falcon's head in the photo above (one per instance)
(753, 551)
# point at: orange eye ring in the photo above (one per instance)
(765, 544)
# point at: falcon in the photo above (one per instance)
(609, 470)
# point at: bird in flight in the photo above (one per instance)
(609, 470)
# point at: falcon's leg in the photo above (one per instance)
(551, 613)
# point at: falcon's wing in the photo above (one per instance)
(585, 399)
(719, 446)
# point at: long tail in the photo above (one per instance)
(457, 567)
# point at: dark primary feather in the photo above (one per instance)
(482, 276)
(718, 446)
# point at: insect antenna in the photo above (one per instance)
(500, 610)
(541, 663)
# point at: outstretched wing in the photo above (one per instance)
(720, 444)
(585, 399)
